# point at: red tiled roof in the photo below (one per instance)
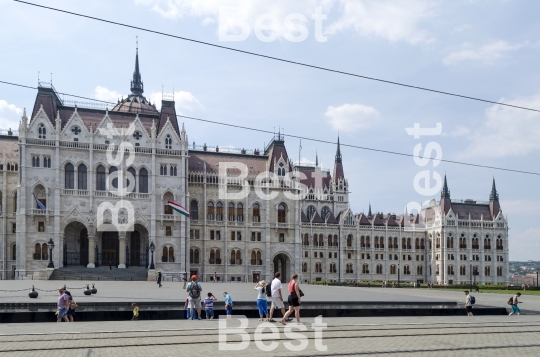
(377, 221)
(390, 221)
(338, 171)
(476, 211)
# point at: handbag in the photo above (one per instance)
(73, 305)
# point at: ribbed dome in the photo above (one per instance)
(135, 104)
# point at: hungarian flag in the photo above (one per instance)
(175, 206)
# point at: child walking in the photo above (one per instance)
(135, 312)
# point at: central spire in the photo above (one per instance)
(445, 193)
(137, 87)
(494, 197)
(338, 152)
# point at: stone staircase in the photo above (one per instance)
(100, 273)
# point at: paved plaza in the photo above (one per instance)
(397, 336)
(122, 291)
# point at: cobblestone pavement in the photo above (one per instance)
(396, 336)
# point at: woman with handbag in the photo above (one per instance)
(295, 295)
(71, 307)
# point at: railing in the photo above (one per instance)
(88, 105)
(256, 262)
(70, 192)
(9, 132)
(38, 212)
(74, 144)
(168, 217)
(168, 152)
(282, 225)
(143, 150)
(41, 142)
(228, 150)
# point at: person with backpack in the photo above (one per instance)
(228, 304)
(262, 303)
(194, 289)
(514, 302)
(469, 302)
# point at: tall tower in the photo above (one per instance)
(494, 205)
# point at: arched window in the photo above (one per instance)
(42, 132)
(231, 212)
(349, 240)
(368, 242)
(37, 252)
(15, 202)
(304, 267)
(409, 243)
(335, 240)
(305, 240)
(437, 271)
(14, 252)
(256, 213)
(165, 255)
(393, 269)
(168, 142)
(379, 269)
(131, 179)
(82, 179)
(403, 243)
(236, 257)
(463, 270)
(171, 254)
(210, 211)
(365, 269)
(325, 211)
(219, 211)
(450, 270)
(1, 203)
(100, 178)
(419, 270)
(194, 256)
(422, 244)
(318, 268)
(44, 251)
(113, 177)
(406, 270)
(310, 212)
(321, 240)
(395, 243)
(194, 209)
(240, 212)
(281, 213)
(143, 180)
(69, 182)
(487, 271)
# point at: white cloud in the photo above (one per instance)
(397, 20)
(106, 94)
(462, 28)
(508, 131)
(351, 117)
(183, 101)
(487, 53)
(458, 131)
(9, 115)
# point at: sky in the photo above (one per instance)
(478, 48)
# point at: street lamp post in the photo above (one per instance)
(50, 243)
(152, 248)
(398, 275)
(470, 274)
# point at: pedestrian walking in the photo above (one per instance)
(295, 295)
(72, 305)
(262, 303)
(135, 312)
(209, 306)
(215, 277)
(159, 278)
(184, 278)
(514, 302)
(228, 304)
(194, 289)
(62, 306)
(277, 297)
(468, 302)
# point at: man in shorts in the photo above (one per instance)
(277, 297)
(194, 289)
(62, 305)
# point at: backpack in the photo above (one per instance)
(268, 290)
(473, 300)
(511, 301)
(194, 290)
(230, 299)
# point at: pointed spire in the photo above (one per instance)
(137, 87)
(494, 196)
(338, 152)
(369, 211)
(316, 158)
(445, 193)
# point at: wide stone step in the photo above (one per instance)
(100, 273)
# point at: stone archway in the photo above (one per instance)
(138, 246)
(75, 244)
(282, 264)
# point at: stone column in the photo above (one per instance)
(91, 251)
(122, 247)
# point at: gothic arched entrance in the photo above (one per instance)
(282, 265)
(75, 244)
(110, 248)
(138, 246)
